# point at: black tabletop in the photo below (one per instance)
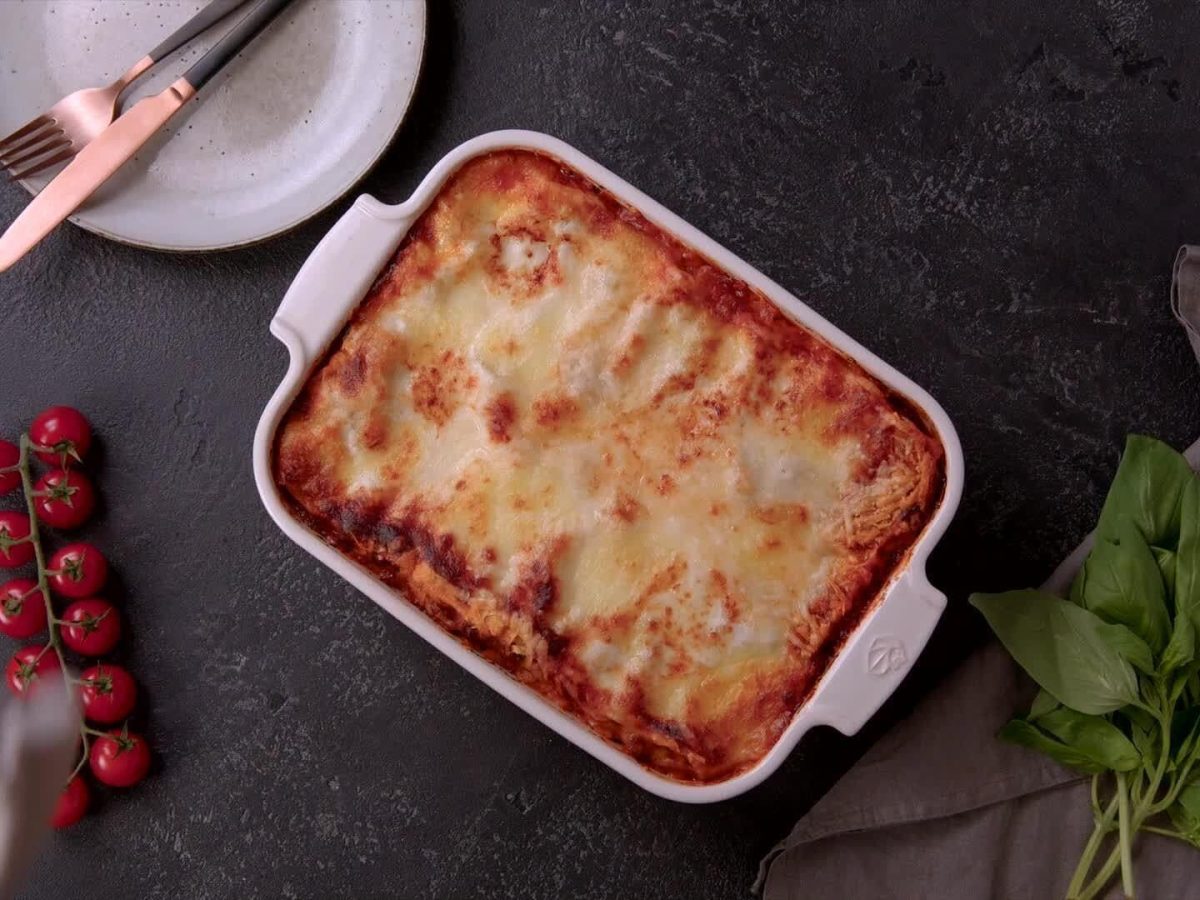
(987, 195)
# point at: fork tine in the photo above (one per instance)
(24, 146)
(44, 164)
(24, 130)
(55, 145)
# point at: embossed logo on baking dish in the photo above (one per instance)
(885, 655)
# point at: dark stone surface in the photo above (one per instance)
(989, 195)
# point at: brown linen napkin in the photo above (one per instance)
(941, 808)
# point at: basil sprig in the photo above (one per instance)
(1117, 667)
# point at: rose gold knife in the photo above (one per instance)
(97, 162)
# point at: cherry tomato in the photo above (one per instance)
(28, 667)
(120, 758)
(108, 693)
(72, 803)
(22, 609)
(14, 526)
(65, 434)
(10, 455)
(94, 627)
(77, 570)
(68, 498)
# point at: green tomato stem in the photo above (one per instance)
(86, 752)
(43, 584)
(36, 539)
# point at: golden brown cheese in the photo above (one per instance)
(608, 466)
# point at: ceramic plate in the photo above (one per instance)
(282, 132)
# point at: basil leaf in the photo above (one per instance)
(1181, 649)
(1068, 650)
(1166, 565)
(1185, 814)
(1187, 560)
(1131, 647)
(1185, 729)
(1146, 742)
(1124, 586)
(1028, 735)
(1147, 488)
(1192, 689)
(1141, 718)
(1079, 586)
(1095, 737)
(1144, 732)
(1043, 702)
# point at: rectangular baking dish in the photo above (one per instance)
(874, 657)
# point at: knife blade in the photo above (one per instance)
(94, 165)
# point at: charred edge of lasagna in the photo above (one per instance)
(688, 762)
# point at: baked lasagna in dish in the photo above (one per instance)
(607, 466)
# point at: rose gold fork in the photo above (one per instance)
(77, 119)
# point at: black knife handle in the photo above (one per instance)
(200, 22)
(238, 37)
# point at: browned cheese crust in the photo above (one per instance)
(607, 466)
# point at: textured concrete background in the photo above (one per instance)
(989, 195)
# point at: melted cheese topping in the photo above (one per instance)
(608, 466)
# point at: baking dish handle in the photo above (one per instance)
(337, 274)
(877, 658)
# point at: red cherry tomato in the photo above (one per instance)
(77, 570)
(10, 455)
(120, 758)
(72, 803)
(67, 500)
(65, 434)
(22, 609)
(108, 693)
(94, 627)
(14, 526)
(29, 666)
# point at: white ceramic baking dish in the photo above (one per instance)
(338, 274)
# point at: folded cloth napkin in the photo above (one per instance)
(38, 740)
(941, 808)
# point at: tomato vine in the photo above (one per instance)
(63, 498)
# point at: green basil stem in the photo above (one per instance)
(1125, 836)
(1149, 807)
(1130, 821)
(1172, 795)
(1181, 780)
(1100, 882)
(1103, 827)
(1166, 832)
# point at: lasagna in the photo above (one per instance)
(607, 466)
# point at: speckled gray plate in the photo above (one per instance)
(284, 131)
